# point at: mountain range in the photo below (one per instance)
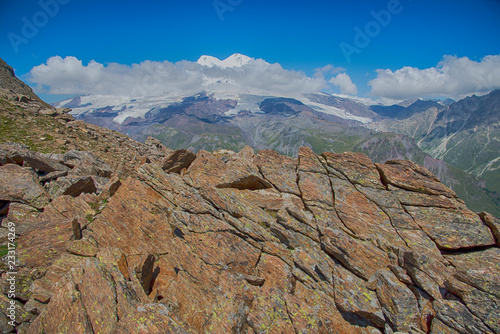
(465, 134)
(456, 140)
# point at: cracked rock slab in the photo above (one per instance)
(451, 228)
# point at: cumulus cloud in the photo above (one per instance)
(452, 77)
(70, 76)
(344, 82)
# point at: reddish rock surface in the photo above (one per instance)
(21, 185)
(410, 176)
(248, 242)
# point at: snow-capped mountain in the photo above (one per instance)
(235, 60)
(218, 83)
(244, 80)
(123, 108)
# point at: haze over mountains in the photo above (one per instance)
(458, 141)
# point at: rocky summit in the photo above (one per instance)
(247, 242)
(103, 234)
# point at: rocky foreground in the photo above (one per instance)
(248, 242)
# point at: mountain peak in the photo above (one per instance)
(209, 61)
(235, 60)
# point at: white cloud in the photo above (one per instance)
(328, 69)
(70, 76)
(344, 82)
(452, 77)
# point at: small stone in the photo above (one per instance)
(401, 274)
(253, 280)
(410, 176)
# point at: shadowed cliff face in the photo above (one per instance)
(248, 242)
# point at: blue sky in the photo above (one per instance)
(299, 35)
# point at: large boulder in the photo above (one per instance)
(21, 185)
(72, 186)
(12, 153)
